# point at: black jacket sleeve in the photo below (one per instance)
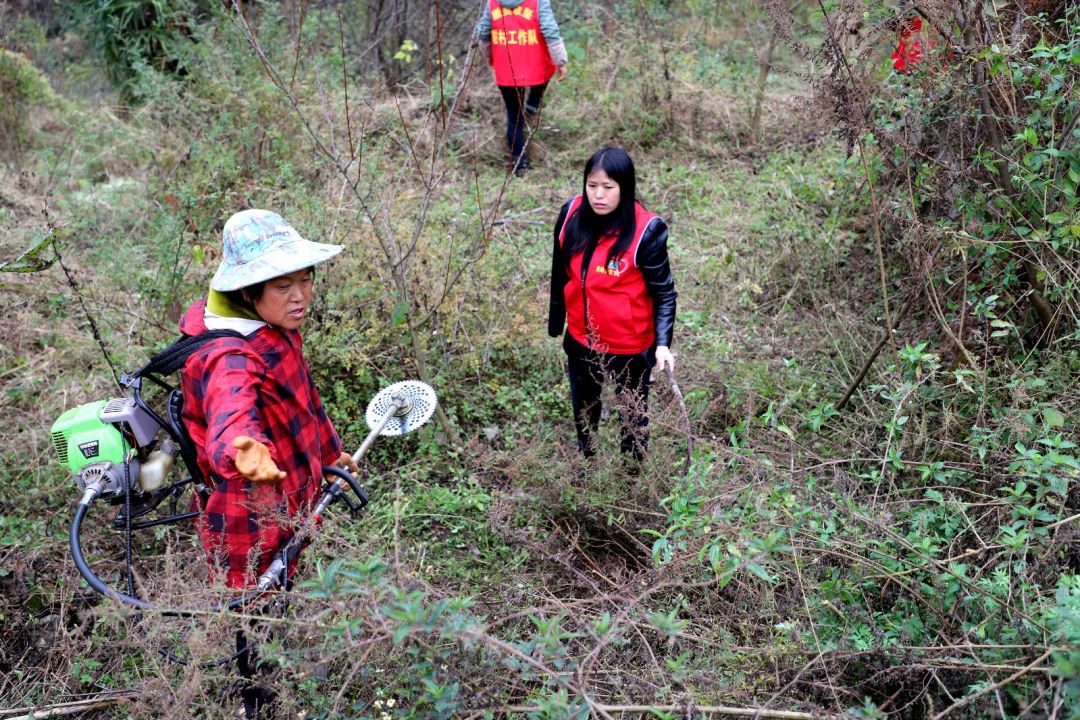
(652, 260)
(557, 302)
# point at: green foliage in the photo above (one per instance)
(21, 34)
(1018, 203)
(973, 167)
(134, 36)
(24, 89)
(404, 54)
(1065, 617)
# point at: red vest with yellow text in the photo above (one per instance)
(608, 306)
(519, 53)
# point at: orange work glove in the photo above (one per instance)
(346, 461)
(253, 460)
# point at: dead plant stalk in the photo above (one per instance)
(396, 256)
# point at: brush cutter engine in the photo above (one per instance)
(109, 445)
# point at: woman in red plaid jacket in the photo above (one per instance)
(250, 405)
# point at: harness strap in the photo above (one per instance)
(172, 358)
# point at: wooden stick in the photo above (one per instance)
(69, 708)
(686, 416)
(996, 686)
(873, 354)
(705, 709)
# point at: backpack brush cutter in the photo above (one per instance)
(121, 451)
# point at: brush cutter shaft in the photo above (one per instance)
(276, 574)
(400, 398)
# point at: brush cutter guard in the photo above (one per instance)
(396, 410)
(405, 406)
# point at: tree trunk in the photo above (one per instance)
(762, 78)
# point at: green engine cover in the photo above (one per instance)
(81, 438)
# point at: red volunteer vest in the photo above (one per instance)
(608, 306)
(519, 53)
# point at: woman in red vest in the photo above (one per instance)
(521, 41)
(611, 285)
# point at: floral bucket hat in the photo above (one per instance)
(259, 245)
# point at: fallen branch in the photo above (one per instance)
(704, 709)
(996, 686)
(69, 708)
(874, 353)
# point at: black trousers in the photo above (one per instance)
(258, 698)
(587, 371)
(519, 101)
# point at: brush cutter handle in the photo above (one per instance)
(357, 488)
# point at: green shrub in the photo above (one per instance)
(133, 36)
(24, 89)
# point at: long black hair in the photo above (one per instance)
(584, 228)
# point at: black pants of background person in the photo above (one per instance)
(587, 371)
(520, 102)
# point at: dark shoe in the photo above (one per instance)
(522, 166)
(259, 702)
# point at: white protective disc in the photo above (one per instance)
(423, 400)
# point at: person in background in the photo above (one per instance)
(251, 407)
(611, 286)
(522, 43)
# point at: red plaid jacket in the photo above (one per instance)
(260, 387)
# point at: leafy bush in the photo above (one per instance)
(24, 88)
(131, 36)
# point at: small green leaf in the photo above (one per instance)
(761, 572)
(400, 312)
(1052, 417)
(1057, 218)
